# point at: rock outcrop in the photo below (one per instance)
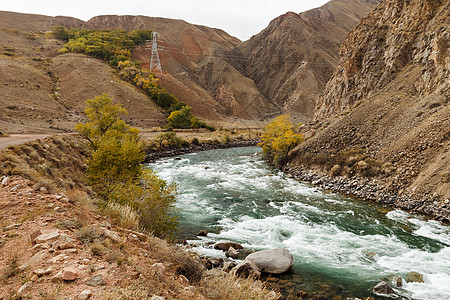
(388, 102)
(398, 35)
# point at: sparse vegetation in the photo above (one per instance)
(183, 119)
(115, 46)
(350, 162)
(221, 286)
(279, 137)
(54, 163)
(169, 139)
(12, 268)
(122, 215)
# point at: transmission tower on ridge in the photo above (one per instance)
(154, 60)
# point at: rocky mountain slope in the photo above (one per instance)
(192, 72)
(213, 72)
(388, 102)
(293, 58)
(219, 76)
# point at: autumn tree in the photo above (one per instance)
(180, 118)
(115, 168)
(279, 137)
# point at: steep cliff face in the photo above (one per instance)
(389, 100)
(398, 34)
(294, 57)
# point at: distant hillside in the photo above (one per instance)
(194, 70)
(282, 69)
(294, 57)
(41, 91)
(390, 97)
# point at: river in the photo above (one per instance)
(339, 244)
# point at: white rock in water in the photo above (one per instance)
(274, 261)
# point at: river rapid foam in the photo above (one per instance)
(337, 240)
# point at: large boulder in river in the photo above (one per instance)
(226, 246)
(274, 261)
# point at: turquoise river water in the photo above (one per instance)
(336, 241)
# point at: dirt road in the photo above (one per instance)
(16, 139)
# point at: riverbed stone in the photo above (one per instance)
(383, 288)
(231, 252)
(213, 262)
(226, 246)
(245, 269)
(414, 277)
(397, 281)
(274, 261)
(202, 233)
(228, 266)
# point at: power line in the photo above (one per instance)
(154, 60)
(227, 56)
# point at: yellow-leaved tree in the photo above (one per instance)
(115, 169)
(279, 137)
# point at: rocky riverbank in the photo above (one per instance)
(373, 190)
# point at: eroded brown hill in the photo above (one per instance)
(294, 57)
(41, 91)
(390, 96)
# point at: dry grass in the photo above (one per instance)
(219, 285)
(12, 268)
(184, 263)
(132, 292)
(122, 215)
(54, 163)
(88, 235)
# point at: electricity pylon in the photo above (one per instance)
(154, 61)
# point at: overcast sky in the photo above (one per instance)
(240, 18)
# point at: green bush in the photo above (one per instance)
(170, 138)
(180, 118)
(166, 99)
